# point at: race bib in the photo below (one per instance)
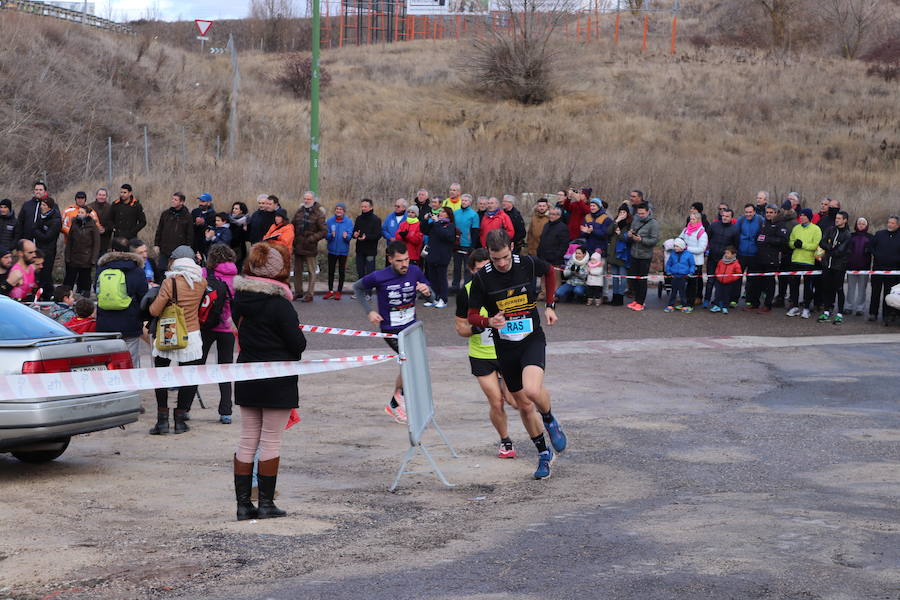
(402, 317)
(487, 337)
(516, 330)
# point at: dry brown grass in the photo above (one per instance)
(707, 125)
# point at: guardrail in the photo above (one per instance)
(66, 14)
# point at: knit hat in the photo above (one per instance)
(80, 195)
(598, 202)
(698, 206)
(7, 203)
(787, 205)
(341, 205)
(269, 269)
(414, 209)
(808, 212)
(282, 213)
(587, 191)
(679, 243)
(182, 252)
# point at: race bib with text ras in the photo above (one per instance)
(516, 329)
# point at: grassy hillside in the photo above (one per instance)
(705, 125)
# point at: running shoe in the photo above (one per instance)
(632, 305)
(225, 419)
(724, 310)
(429, 303)
(328, 295)
(706, 304)
(506, 451)
(669, 309)
(557, 437)
(679, 306)
(715, 308)
(440, 304)
(793, 312)
(337, 295)
(687, 309)
(638, 307)
(732, 304)
(805, 314)
(838, 319)
(398, 413)
(545, 459)
(825, 316)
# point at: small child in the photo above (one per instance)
(596, 271)
(220, 234)
(728, 276)
(679, 265)
(64, 299)
(575, 275)
(84, 321)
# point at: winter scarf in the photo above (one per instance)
(188, 269)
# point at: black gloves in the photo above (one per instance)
(798, 244)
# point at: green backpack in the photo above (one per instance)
(111, 291)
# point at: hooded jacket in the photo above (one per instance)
(596, 269)
(83, 243)
(697, 243)
(749, 229)
(8, 231)
(648, 229)
(128, 321)
(770, 243)
(309, 228)
(128, 218)
(176, 228)
(680, 264)
(554, 242)
(411, 234)
(268, 330)
(836, 244)
(728, 273)
(370, 225)
(225, 273)
(576, 271)
(337, 243)
(27, 221)
(598, 238)
(533, 239)
(283, 235)
(46, 234)
(886, 250)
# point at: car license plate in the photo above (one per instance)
(90, 368)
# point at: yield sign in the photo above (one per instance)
(203, 26)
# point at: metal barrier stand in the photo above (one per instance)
(419, 402)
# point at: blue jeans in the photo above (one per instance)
(563, 291)
(619, 284)
(679, 290)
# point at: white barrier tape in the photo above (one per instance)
(82, 383)
(347, 332)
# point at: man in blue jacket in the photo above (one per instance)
(749, 226)
(467, 221)
(391, 223)
(126, 321)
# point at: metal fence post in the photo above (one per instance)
(109, 161)
(146, 152)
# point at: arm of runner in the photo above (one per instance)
(360, 290)
(423, 288)
(550, 284)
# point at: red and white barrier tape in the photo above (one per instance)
(347, 332)
(82, 383)
(660, 276)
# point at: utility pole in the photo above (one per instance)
(235, 87)
(314, 102)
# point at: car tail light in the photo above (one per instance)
(112, 362)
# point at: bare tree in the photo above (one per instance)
(780, 13)
(635, 6)
(275, 14)
(852, 21)
(516, 60)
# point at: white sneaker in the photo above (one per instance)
(440, 304)
(805, 313)
(793, 312)
(429, 303)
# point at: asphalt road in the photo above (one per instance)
(691, 474)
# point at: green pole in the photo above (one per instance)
(314, 102)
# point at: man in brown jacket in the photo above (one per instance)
(176, 228)
(309, 228)
(538, 220)
(103, 209)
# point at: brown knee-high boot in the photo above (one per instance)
(243, 480)
(267, 475)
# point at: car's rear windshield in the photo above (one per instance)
(19, 322)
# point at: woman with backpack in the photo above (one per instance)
(269, 331)
(82, 249)
(217, 328)
(178, 336)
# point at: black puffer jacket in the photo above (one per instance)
(8, 231)
(554, 242)
(268, 330)
(770, 242)
(836, 243)
(720, 237)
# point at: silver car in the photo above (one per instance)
(39, 429)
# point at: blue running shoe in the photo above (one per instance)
(557, 437)
(545, 459)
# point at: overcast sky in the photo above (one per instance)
(173, 10)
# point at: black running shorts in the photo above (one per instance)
(394, 343)
(484, 366)
(515, 356)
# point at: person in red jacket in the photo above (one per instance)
(410, 233)
(84, 321)
(494, 218)
(728, 276)
(578, 209)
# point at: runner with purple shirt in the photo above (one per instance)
(396, 286)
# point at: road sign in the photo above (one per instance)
(217, 50)
(203, 26)
(202, 38)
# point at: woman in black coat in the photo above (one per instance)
(46, 235)
(268, 331)
(441, 232)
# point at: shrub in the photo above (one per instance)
(296, 75)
